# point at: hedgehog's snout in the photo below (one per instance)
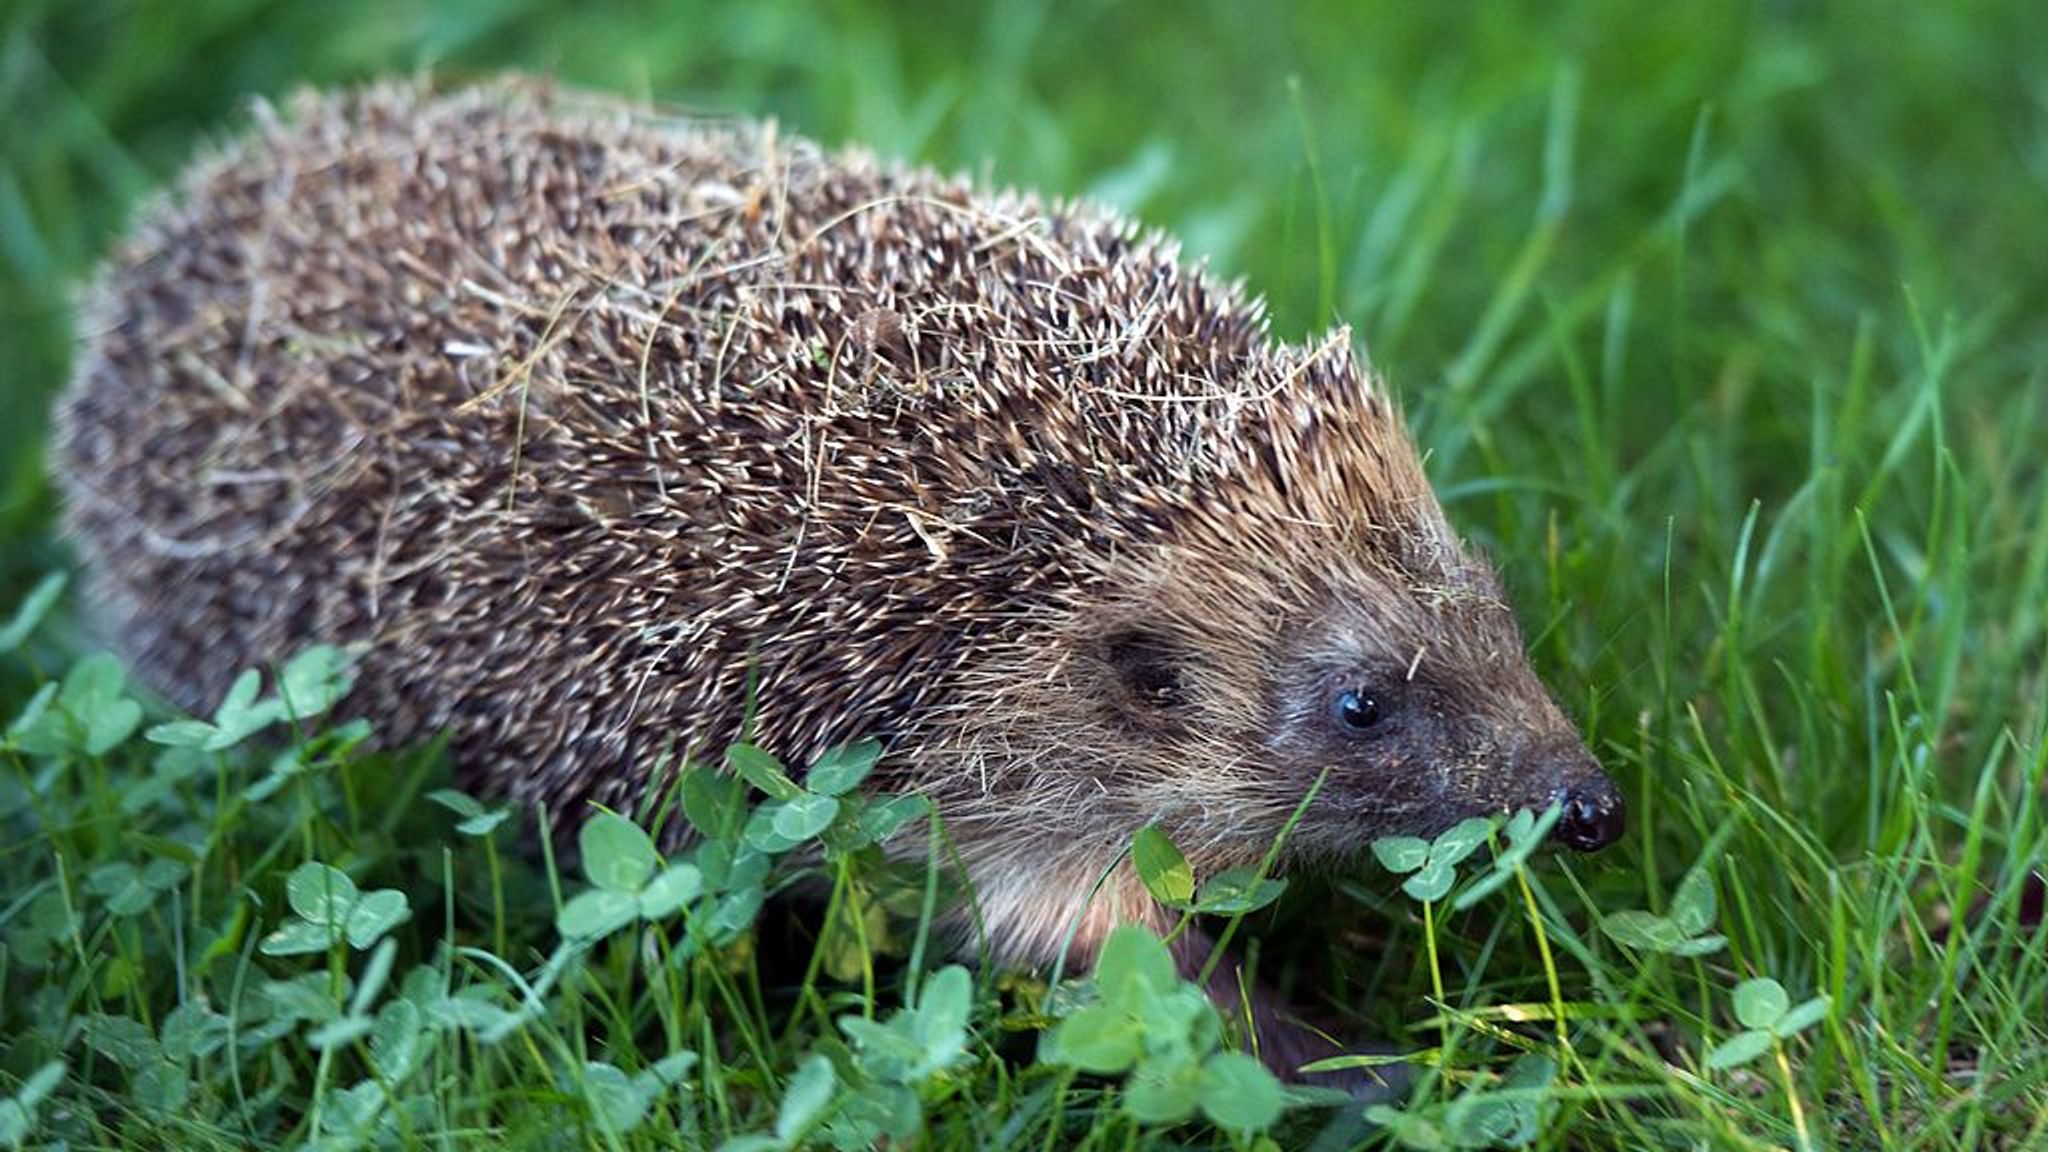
(1595, 815)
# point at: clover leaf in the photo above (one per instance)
(918, 1042)
(84, 716)
(1680, 933)
(1767, 1014)
(1238, 1093)
(616, 854)
(840, 770)
(1162, 1034)
(330, 910)
(1431, 865)
(1761, 1002)
(823, 808)
(628, 881)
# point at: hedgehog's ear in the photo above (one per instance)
(1146, 672)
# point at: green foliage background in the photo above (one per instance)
(1725, 326)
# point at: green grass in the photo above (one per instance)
(1724, 329)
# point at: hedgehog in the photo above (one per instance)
(605, 434)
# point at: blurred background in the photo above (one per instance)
(1631, 268)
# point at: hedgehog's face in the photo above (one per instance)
(1412, 700)
(1424, 711)
(1426, 714)
(1315, 617)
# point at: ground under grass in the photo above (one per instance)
(1723, 327)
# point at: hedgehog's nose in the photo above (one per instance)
(1594, 814)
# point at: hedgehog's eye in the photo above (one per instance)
(1357, 711)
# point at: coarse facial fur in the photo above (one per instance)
(572, 418)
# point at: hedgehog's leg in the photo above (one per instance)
(1283, 1040)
